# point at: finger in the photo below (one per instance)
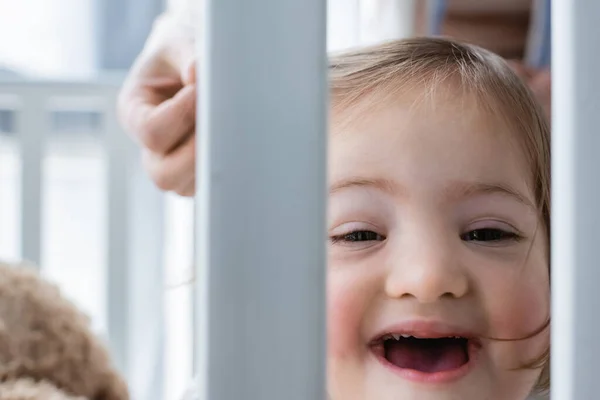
(160, 128)
(188, 190)
(174, 170)
(150, 82)
(189, 73)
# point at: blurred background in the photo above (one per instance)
(73, 197)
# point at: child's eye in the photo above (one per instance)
(357, 236)
(489, 235)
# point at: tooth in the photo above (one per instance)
(406, 336)
(396, 336)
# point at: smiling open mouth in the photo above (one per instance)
(427, 355)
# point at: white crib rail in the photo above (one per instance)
(575, 199)
(32, 101)
(134, 261)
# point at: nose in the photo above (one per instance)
(428, 271)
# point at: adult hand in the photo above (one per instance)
(157, 106)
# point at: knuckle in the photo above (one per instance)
(151, 137)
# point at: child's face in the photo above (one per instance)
(434, 235)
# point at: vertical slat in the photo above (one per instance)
(118, 274)
(135, 263)
(405, 11)
(382, 20)
(261, 204)
(538, 51)
(179, 305)
(32, 125)
(575, 200)
(436, 10)
(10, 214)
(343, 21)
(145, 286)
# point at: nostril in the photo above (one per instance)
(450, 295)
(427, 284)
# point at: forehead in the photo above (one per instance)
(430, 138)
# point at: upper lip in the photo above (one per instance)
(424, 329)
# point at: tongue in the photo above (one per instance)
(427, 355)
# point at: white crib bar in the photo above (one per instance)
(575, 200)
(382, 20)
(32, 125)
(118, 239)
(260, 278)
(343, 24)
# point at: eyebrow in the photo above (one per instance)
(454, 192)
(384, 185)
(460, 190)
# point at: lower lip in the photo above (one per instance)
(434, 377)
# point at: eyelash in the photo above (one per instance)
(357, 236)
(493, 235)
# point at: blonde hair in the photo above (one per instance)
(426, 64)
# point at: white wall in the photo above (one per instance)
(48, 37)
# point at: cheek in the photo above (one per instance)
(348, 299)
(519, 306)
(521, 301)
(344, 315)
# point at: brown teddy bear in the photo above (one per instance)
(47, 349)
